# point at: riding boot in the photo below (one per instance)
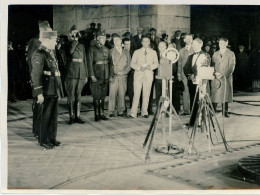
(101, 111)
(77, 113)
(96, 106)
(70, 108)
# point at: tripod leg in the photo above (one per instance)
(153, 121)
(158, 116)
(220, 131)
(194, 101)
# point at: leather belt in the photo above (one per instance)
(101, 62)
(77, 60)
(48, 73)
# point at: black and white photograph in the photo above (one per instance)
(130, 97)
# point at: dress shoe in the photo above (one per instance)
(122, 115)
(97, 118)
(130, 117)
(151, 113)
(47, 145)
(146, 116)
(55, 143)
(79, 120)
(71, 121)
(227, 115)
(104, 118)
(111, 115)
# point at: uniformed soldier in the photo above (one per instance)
(98, 70)
(33, 45)
(45, 77)
(76, 76)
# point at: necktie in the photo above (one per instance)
(145, 52)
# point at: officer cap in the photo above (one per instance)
(45, 31)
(101, 33)
(177, 31)
(44, 25)
(92, 24)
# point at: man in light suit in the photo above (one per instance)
(222, 87)
(185, 52)
(144, 61)
(119, 63)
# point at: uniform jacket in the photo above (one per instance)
(48, 85)
(74, 69)
(184, 55)
(119, 62)
(98, 53)
(225, 65)
(137, 42)
(139, 59)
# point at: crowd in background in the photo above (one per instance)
(246, 74)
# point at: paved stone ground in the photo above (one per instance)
(109, 155)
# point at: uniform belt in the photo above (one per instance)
(48, 73)
(101, 62)
(77, 60)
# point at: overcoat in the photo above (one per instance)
(222, 89)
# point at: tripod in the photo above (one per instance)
(161, 110)
(205, 118)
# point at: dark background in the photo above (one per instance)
(239, 23)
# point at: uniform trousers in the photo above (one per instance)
(48, 111)
(99, 89)
(36, 117)
(74, 88)
(117, 90)
(142, 82)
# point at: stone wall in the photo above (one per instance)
(122, 18)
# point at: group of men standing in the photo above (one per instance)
(128, 66)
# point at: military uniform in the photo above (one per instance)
(45, 77)
(98, 66)
(75, 77)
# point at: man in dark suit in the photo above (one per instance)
(196, 60)
(178, 40)
(45, 77)
(154, 39)
(76, 76)
(137, 39)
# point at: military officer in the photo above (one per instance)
(33, 45)
(45, 77)
(98, 70)
(76, 76)
(222, 87)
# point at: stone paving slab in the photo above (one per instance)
(110, 154)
